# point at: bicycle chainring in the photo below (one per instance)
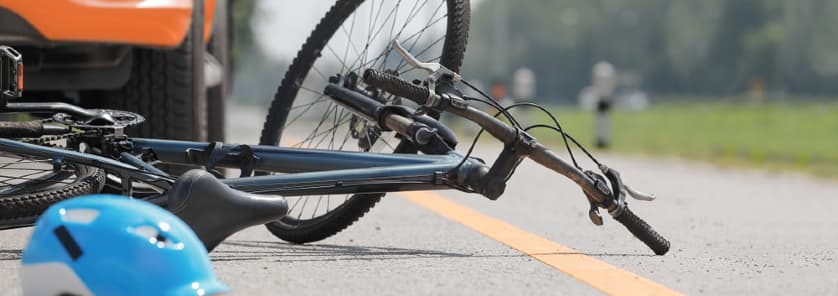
(106, 120)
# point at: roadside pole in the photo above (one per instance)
(523, 89)
(604, 81)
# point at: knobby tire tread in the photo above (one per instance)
(89, 180)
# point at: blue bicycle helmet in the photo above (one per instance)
(113, 245)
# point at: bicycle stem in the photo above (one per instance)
(538, 152)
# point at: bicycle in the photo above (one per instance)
(95, 154)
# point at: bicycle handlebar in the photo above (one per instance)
(540, 154)
(643, 231)
(397, 86)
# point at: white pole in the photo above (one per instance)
(604, 82)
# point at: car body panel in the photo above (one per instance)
(154, 23)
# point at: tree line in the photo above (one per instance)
(708, 47)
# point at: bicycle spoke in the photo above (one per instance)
(313, 136)
(322, 121)
(299, 115)
(419, 36)
(317, 206)
(342, 63)
(349, 37)
(32, 179)
(316, 70)
(319, 100)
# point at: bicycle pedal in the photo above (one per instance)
(11, 74)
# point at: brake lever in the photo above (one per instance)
(618, 185)
(618, 192)
(435, 70)
(639, 195)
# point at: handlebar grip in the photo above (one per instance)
(643, 232)
(397, 86)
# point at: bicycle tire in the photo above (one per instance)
(22, 207)
(293, 229)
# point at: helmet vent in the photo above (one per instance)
(81, 216)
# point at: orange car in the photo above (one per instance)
(135, 55)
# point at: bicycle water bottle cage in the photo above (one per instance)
(11, 74)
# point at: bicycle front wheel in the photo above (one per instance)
(353, 36)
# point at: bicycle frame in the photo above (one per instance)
(308, 171)
(315, 171)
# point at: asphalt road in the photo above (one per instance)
(733, 232)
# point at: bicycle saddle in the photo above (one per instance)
(215, 211)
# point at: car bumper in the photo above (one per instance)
(155, 23)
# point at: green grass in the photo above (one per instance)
(800, 136)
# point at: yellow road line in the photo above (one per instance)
(599, 275)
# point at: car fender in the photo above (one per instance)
(154, 23)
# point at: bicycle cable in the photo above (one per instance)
(571, 138)
(558, 126)
(491, 102)
(505, 111)
(494, 104)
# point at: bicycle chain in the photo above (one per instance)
(77, 132)
(47, 140)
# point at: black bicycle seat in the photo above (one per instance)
(215, 211)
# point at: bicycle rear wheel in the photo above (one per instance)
(353, 36)
(30, 184)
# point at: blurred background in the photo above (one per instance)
(747, 83)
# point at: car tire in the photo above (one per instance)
(167, 88)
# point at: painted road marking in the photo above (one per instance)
(597, 274)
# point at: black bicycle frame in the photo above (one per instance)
(307, 171)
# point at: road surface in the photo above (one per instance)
(733, 232)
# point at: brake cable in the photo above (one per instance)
(514, 122)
